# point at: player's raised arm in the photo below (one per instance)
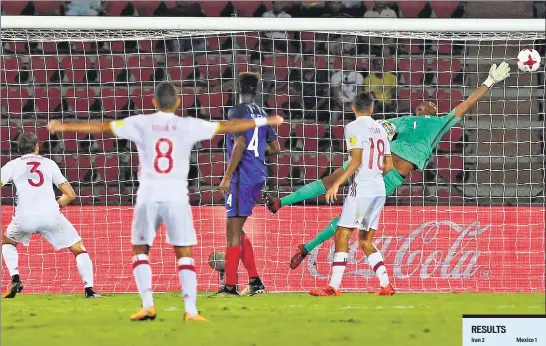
(68, 194)
(242, 125)
(496, 74)
(89, 127)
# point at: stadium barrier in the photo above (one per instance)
(434, 249)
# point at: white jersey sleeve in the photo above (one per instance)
(127, 128)
(200, 130)
(56, 175)
(355, 136)
(6, 173)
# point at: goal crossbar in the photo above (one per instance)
(280, 24)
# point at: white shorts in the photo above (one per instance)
(55, 228)
(361, 212)
(177, 217)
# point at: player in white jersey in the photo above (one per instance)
(369, 149)
(37, 211)
(164, 142)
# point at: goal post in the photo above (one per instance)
(472, 221)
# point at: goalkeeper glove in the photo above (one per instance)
(389, 128)
(497, 74)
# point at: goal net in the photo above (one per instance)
(473, 220)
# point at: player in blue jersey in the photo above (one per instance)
(242, 184)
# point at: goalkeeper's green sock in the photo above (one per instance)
(310, 190)
(323, 236)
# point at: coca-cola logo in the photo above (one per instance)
(441, 249)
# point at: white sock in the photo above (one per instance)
(338, 268)
(11, 258)
(188, 280)
(85, 267)
(375, 261)
(143, 278)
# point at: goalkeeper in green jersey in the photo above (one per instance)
(416, 138)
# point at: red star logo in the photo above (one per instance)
(530, 62)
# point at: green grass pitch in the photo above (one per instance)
(270, 319)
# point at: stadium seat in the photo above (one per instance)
(246, 8)
(451, 139)
(413, 78)
(43, 67)
(412, 96)
(110, 66)
(213, 104)
(413, 46)
(9, 68)
(142, 67)
(46, 99)
(79, 99)
(447, 70)
(113, 99)
(214, 44)
(82, 47)
(250, 40)
(212, 167)
(8, 135)
(415, 177)
(283, 131)
(410, 9)
(76, 67)
(189, 99)
(413, 64)
(14, 8)
(47, 7)
(143, 99)
(449, 166)
(70, 141)
(211, 196)
(211, 66)
(445, 47)
(361, 64)
(310, 130)
(13, 99)
(147, 46)
(213, 8)
(444, 9)
(447, 100)
(146, 8)
(179, 69)
(115, 7)
(314, 166)
(217, 142)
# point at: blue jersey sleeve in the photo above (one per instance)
(236, 113)
(271, 135)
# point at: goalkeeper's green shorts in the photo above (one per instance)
(392, 179)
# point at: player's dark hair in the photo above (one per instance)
(363, 102)
(166, 96)
(248, 83)
(26, 143)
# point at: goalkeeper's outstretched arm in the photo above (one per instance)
(496, 74)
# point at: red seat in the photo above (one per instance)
(76, 67)
(361, 64)
(314, 166)
(143, 99)
(10, 68)
(180, 69)
(411, 9)
(413, 96)
(449, 166)
(213, 8)
(389, 65)
(189, 98)
(146, 8)
(8, 135)
(110, 66)
(213, 104)
(413, 46)
(214, 43)
(147, 45)
(246, 8)
(70, 141)
(444, 47)
(451, 138)
(410, 65)
(46, 99)
(447, 100)
(210, 196)
(212, 167)
(14, 8)
(214, 143)
(13, 99)
(45, 7)
(283, 131)
(278, 102)
(115, 7)
(43, 68)
(113, 99)
(142, 67)
(444, 9)
(413, 78)
(79, 99)
(250, 39)
(447, 69)
(211, 66)
(310, 130)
